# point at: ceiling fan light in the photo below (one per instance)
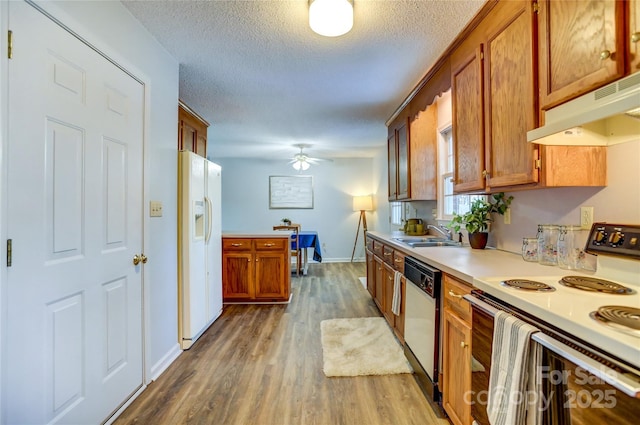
(300, 165)
(331, 18)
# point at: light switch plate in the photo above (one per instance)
(155, 209)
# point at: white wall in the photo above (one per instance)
(110, 27)
(619, 202)
(245, 201)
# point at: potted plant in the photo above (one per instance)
(478, 219)
(286, 221)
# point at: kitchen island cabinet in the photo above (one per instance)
(256, 269)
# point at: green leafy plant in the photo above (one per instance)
(286, 220)
(479, 218)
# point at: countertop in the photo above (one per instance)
(468, 264)
(566, 308)
(267, 234)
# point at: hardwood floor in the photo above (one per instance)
(263, 365)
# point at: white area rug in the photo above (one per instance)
(361, 346)
(363, 280)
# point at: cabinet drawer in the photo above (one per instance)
(236, 244)
(453, 291)
(387, 255)
(378, 248)
(275, 244)
(370, 244)
(398, 261)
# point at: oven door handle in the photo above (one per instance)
(624, 382)
(476, 302)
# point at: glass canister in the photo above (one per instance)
(570, 252)
(548, 244)
(530, 249)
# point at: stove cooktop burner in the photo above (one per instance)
(594, 284)
(622, 318)
(527, 285)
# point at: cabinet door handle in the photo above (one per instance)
(605, 54)
(635, 37)
(236, 244)
(268, 245)
(454, 295)
(463, 344)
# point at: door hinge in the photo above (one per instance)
(536, 7)
(10, 44)
(9, 252)
(481, 55)
(537, 164)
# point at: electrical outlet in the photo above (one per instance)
(586, 217)
(507, 216)
(155, 209)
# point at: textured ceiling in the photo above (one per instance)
(265, 81)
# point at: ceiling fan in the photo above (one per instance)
(301, 161)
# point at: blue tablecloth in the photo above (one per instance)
(309, 239)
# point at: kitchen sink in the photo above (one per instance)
(427, 242)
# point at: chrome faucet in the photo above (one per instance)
(442, 230)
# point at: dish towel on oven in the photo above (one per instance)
(397, 293)
(515, 381)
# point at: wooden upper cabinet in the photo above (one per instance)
(392, 167)
(494, 102)
(511, 107)
(468, 121)
(192, 131)
(398, 160)
(633, 36)
(404, 173)
(423, 129)
(581, 47)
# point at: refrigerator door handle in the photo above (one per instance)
(209, 213)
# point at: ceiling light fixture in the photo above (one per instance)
(301, 164)
(331, 18)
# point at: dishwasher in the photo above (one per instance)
(422, 324)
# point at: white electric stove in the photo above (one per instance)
(573, 308)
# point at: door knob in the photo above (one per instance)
(605, 54)
(137, 259)
(635, 37)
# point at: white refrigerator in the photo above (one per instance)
(199, 246)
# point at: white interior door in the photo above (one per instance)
(74, 202)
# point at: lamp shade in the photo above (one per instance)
(363, 203)
(331, 18)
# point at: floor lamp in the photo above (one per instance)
(362, 204)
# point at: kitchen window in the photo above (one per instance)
(451, 203)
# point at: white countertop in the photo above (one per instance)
(267, 234)
(565, 308)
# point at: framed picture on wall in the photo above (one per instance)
(290, 192)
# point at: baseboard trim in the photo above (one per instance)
(165, 362)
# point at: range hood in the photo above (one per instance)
(606, 116)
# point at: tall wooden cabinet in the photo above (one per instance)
(192, 131)
(256, 269)
(582, 47)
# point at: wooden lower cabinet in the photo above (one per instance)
(256, 269)
(381, 270)
(456, 352)
(371, 273)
